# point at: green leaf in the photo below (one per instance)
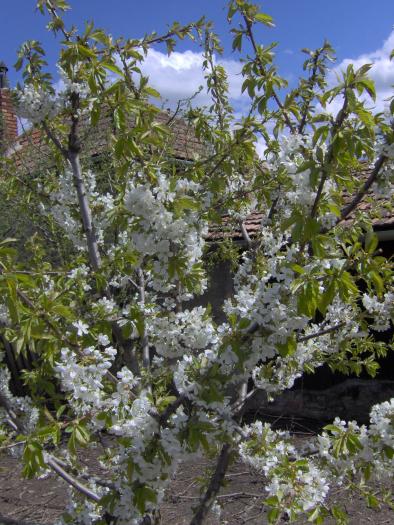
(63, 311)
(297, 268)
(371, 241)
(327, 297)
(308, 299)
(142, 495)
(265, 19)
(332, 428)
(112, 67)
(372, 501)
(368, 85)
(316, 516)
(85, 51)
(237, 42)
(243, 323)
(273, 515)
(362, 71)
(320, 134)
(152, 92)
(8, 240)
(79, 436)
(33, 459)
(340, 516)
(287, 348)
(377, 282)
(272, 501)
(82, 435)
(347, 286)
(186, 203)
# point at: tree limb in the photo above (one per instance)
(17, 424)
(263, 74)
(94, 254)
(213, 487)
(245, 234)
(347, 210)
(144, 337)
(70, 480)
(321, 332)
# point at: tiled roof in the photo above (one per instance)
(31, 149)
(378, 208)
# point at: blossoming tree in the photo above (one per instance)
(120, 347)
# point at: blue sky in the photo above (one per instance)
(358, 29)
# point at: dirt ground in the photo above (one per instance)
(41, 502)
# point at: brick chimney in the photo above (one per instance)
(8, 122)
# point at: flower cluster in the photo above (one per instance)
(382, 311)
(181, 333)
(83, 377)
(36, 104)
(294, 487)
(175, 240)
(64, 207)
(21, 405)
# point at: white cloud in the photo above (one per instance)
(179, 76)
(382, 72)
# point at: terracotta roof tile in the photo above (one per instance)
(30, 149)
(378, 208)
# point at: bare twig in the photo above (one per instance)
(70, 480)
(16, 424)
(144, 337)
(213, 487)
(263, 73)
(12, 445)
(71, 155)
(245, 234)
(171, 409)
(53, 138)
(311, 84)
(342, 114)
(347, 210)
(321, 332)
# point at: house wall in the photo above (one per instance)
(8, 122)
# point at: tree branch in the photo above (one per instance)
(347, 210)
(311, 84)
(53, 138)
(17, 424)
(321, 332)
(213, 487)
(263, 74)
(94, 254)
(144, 337)
(171, 409)
(70, 480)
(330, 153)
(245, 234)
